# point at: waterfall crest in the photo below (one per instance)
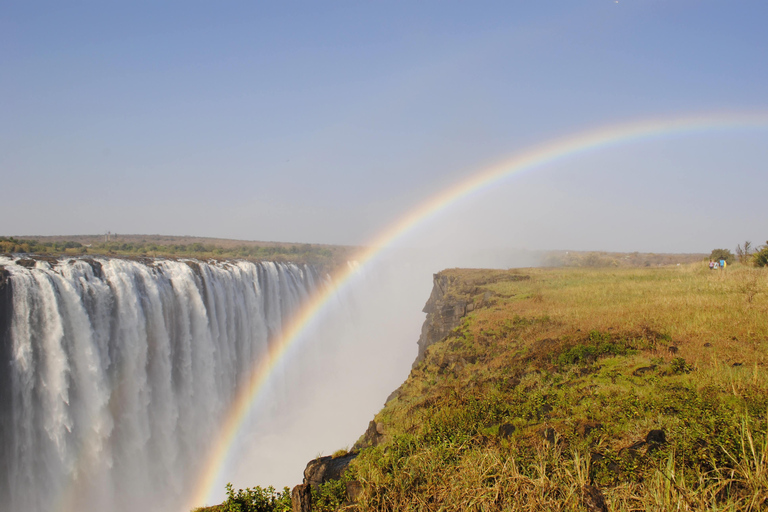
(115, 373)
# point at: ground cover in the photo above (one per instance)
(636, 389)
(325, 257)
(578, 389)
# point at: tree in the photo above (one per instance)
(722, 254)
(760, 258)
(744, 253)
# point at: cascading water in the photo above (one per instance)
(115, 373)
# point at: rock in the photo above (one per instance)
(6, 380)
(393, 395)
(586, 428)
(673, 349)
(354, 490)
(592, 499)
(549, 435)
(322, 469)
(26, 263)
(374, 435)
(301, 498)
(707, 344)
(98, 271)
(444, 313)
(656, 436)
(643, 370)
(655, 439)
(506, 430)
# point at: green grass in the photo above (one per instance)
(325, 256)
(583, 364)
(558, 383)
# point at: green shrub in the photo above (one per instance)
(678, 365)
(257, 499)
(329, 496)
(600, 344)
(722, 254)
(760, 258)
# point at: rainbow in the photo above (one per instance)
(534, 158)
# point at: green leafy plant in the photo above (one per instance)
(760, 258)
(257, 499)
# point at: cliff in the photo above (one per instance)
(6, 312)
(572, 389)
(454, 294)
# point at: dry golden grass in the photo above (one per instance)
(584, 363)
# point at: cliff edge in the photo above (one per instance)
(573, 389)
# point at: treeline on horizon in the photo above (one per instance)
(746, 254)
(297, 253)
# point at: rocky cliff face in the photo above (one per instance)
(444, 310)
(452, 297)
(5, 376)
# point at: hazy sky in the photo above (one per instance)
(325, 121)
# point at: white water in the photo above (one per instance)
(120, 371)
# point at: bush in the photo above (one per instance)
(257, 499)
(722, 254)
(760, 258)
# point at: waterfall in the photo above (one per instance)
(115, 373)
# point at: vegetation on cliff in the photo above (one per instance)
(575, 389)
(583, 389)
(133, 246)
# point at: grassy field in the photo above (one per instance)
(645, 388)
(622, 389)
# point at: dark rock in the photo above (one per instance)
(707, 344)
(592, 499)
(656, 436)
(506, 430)
(6, 397)
(195, 266)
(98, 271)
(736, 365)
(322, 469)
(301, 498)
(444, 313)
(354, 490)
(642, 371)
(653, 441)
(586, 428)
(26, 263)
(549, 434)
(374, 435)
(393, 395)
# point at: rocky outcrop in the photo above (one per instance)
(444, 312)
(301, 498)
(374, 435)
(6, 311)
(318, 472)
(453, 296)
(322, 469)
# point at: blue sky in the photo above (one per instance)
(325, 121)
